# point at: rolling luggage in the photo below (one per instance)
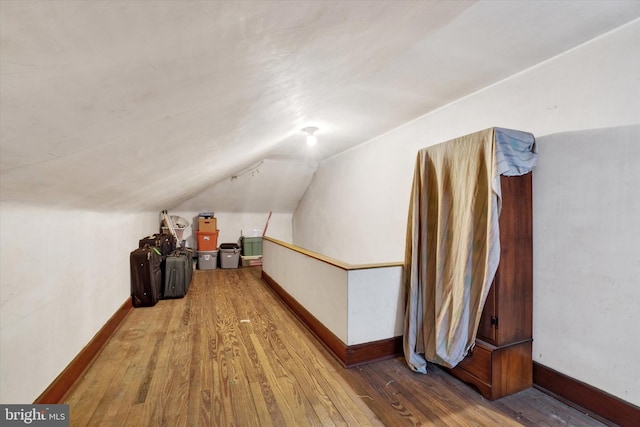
(146, 276)
(190, 253)
(177, 275)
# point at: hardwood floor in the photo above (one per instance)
(231, 354)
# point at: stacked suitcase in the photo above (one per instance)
(178, 273)
(146, 276)
(159, 270)
(165, 242)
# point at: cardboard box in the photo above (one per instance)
(207, 224)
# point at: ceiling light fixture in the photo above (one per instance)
(311, 138)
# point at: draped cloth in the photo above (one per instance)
(453, 246)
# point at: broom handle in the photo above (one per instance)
(264, 232)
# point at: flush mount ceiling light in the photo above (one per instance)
(311, 138)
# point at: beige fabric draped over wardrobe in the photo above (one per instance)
(452, 246)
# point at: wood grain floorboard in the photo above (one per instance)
(231, 354)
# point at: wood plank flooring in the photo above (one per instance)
(231, 354)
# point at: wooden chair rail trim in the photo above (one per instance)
(584, 397)
(65, 381)
(348, 356)
(334, 262)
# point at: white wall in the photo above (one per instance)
(231, 224)
(63, 274)
(376, 303)
(357, 305)
(587, 258)
(356, 206)
(321, 288)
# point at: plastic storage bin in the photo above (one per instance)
(250, 261)
(207, 260)
(207, 241)
(251, 246)
(229, 255)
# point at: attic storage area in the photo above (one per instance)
(111, 112)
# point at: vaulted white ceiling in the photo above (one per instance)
(155, 104)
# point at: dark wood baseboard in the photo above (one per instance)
(586, 398)
(348, 356)
(64, 383)
(374, 351)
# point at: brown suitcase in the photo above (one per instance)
(146, 276)
(165, 242)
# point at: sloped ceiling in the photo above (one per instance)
(138, 105)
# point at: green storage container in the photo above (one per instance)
(251, 246)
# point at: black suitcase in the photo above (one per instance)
(190, 253)
(165, 242)
(146, 276)
(177, 275)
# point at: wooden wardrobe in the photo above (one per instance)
(500, 363)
